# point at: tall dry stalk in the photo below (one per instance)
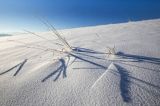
(55, 32)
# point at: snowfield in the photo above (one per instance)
(31, 74)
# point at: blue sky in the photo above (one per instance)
(16, 15)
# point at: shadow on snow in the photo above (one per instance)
(124, 83)
(138, 58)
(61, 69)
(78, 53)
(20, 66)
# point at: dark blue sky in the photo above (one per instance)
(16, 15)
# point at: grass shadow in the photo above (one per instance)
(141, 67)
(17, 71)
(77, 54)
(139, 58)
(124, 83)
(61, 69)
(20, 67)
(84, 55)
(94, 57)
(88, 61)
(86, 68)
(127, 79)
(85, 50)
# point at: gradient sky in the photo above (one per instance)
(16, 15)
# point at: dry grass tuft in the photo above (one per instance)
(111, 51)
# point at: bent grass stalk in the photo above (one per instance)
(55, 32)
(42, 37)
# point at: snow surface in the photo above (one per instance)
(30, 75)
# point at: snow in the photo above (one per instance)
(31, 75)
